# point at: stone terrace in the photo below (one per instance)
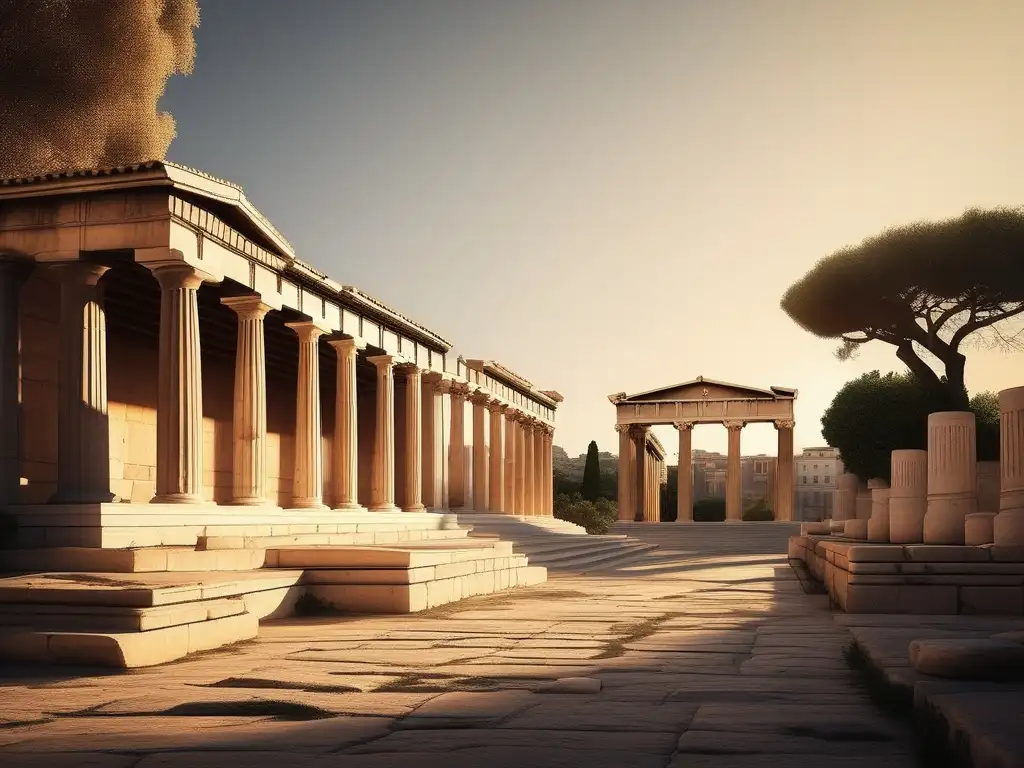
(682, 661)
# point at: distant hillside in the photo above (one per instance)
(568, 472)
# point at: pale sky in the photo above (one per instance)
(611, 195)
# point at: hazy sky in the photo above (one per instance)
(611, 195)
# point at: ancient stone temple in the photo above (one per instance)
(171, 371)
(701, 401)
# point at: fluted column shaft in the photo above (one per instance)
(734, 477)
(83, 437)
(539, 433)
(549, 473)
(457, 457)
(412, 482)
(179, 423)
(1008, 525)
(952, 476)
(382, 486)
(496, 481)
(521, 468)
(625, 472)
(640, 474)
(784, 471)
(433, 441)
(308, 476)
(480, 459)
(249, 423)
(13, 273)
(529, 467)
(511, 429)
(684, 473)
(345, 450)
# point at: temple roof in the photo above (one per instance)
(702, 388)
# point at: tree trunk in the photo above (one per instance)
(957, 390)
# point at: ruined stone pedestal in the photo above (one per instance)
(1008, 528)
(952, 476)
(908, 496)
(878, 524)
(978, 529)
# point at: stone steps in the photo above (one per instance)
(142, 560)
(603, 559)
(714, 538)
(381, 536)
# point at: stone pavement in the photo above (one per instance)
(701, 662)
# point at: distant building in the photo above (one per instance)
(709, 472)
(817, 474)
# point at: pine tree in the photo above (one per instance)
(592, 474)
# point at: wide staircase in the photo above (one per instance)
(698, 539)
(556, 544)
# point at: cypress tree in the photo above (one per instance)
(591, 489)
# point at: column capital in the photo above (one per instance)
(407, 369)
(80, 272)
(496, 406)
(784, 423)
(249, 307)
(459, 390)
(178, 274)
(683, 426)
(480, 397)
(343, 344)
(306, 330)
(734, 425)
(623, 429)
(639, 430)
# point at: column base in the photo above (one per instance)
(349, 507)
(415, 508)
(388, 507)
(307, 504)
(1008, 528)
(178, 498)
(248, 502)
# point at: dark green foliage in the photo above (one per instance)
(670, 497)
(709, 510)
(758, 509)
(597, 517)
(874, 415)
(924, 287)
(591, 489)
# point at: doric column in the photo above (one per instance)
(179, 418)
(908, 496)
(952, 476)
(308, 475)
(382, 486)
(13, 273)
(1008, 526)
(511, 444)
(641, 485)
(496, 481)
(529, 467)
(784, 471)
(345, 450)
(549, 472)
(413, 482)
(249, 424)
(434, 387)
(480, 400)
(83, 436)
(539, 434)
(457, 457)
(684, 475)
(625, 472)
(734, 478)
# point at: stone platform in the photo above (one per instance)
(915, 578)
(143, 617)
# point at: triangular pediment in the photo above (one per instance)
(705, 389)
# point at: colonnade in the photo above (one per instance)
(512, 471)
(634, 482)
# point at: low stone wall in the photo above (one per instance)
(915, 578)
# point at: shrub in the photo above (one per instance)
(758, 510)
(709, 511)
(597, 517)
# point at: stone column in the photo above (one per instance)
(549, 472)
(308, 477)
(539, 450)
(734, 477)
(382, 486)
(521, 464)
(496, 472)
(413, 480)
(457, 447)
(249, 423)
(13, 273)
(625, 483)
(433, 440)
(641, 485)
(179, 419)
(846, 497)
(83, 431)
(908, 496)
(1008, 526)
(345, 451)
(480, 400)
(529, 467)
(952, 476)
(509, 497)
(784, 471)
(878, 524)
(684, 477)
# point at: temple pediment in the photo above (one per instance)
(705, 389)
